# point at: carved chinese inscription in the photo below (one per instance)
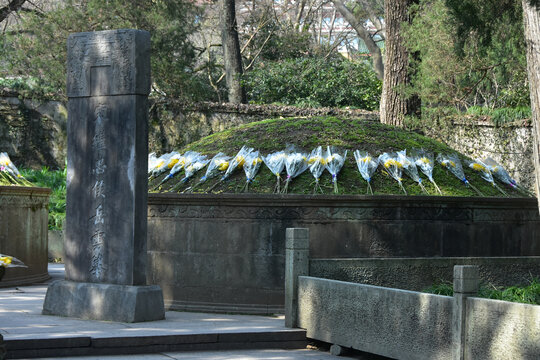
(97, 221)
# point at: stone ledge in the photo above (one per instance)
(109, 302)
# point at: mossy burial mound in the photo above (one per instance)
(307, 133)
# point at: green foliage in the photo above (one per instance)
(38, 49)
(463, 68)
(501, 116)
(56, 181)
(314, 82)
(529, 294)
(307, 133)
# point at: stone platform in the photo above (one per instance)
(28, 334)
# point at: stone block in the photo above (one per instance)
(110, 302)
(466, 279)
(297, 239)
(112, 62)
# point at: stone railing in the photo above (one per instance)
(404, 324)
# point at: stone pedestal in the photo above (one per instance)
(108, 83)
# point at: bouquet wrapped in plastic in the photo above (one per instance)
(451, 163)
(424, 160)
(410, 169)
(391, 164)
(366, 166)
(183, 161)
(334, 162)
(485, 173)
(166, 162)
(251, 167)
(503, 176)
(295, 164)
(195, 164)
(10, 261)
(9, 174)
(218, 165)
(317, 164)
(276, 162)
(235, 163)
(7, 261)
(153, 160)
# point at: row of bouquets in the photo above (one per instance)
(9, 174)
(331, 159)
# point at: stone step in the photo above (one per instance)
(39, 346)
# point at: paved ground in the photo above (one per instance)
(225, 355)
(21, 320)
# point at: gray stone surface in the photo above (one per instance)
(466, 281)
(28, 333)
(395, 323)
(106, 202)
(296, 264)
(498, 330)
(227, 252)
(23, 232)
(108, 84)
(56, 245)
(112, 302)
(269, 354)
(421, 273)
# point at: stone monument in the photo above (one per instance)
(108, 83)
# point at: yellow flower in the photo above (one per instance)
(425, 160)
(257, 161)
(5, 260)
(448, 162)
(478, 167)
(392, 162)
(223, 166)
(171, 163)
(240, 160)
(366, 159)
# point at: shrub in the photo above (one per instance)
(56, 180)
(314, 82)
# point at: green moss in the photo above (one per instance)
(307, 133)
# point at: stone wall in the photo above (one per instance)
(226, 252)
(23, 232)
(421, 273)
(34, 133)
(509, 145)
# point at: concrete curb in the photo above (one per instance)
(86, 345)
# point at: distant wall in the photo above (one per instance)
(510, 144)
(34, 133)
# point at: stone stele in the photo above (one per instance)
(108, 82)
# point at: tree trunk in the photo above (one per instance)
(531, 19)
(395, 105)
(12, 6)
(367, 6)
(373, 49)
(232, 57)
